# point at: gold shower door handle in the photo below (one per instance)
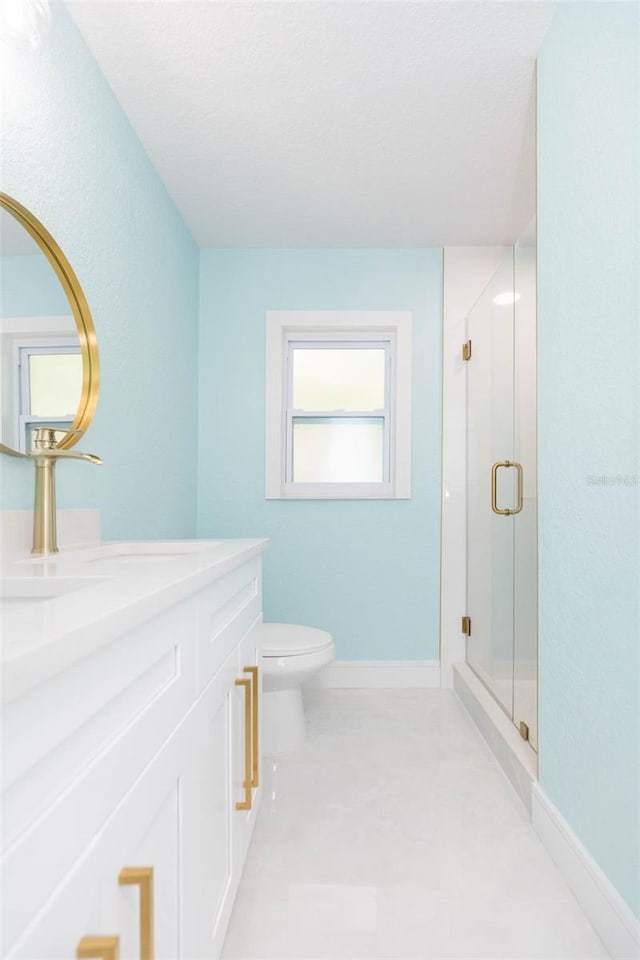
(142, 877)
(246, 803)
(104, 948)
(255, 706)
(507, 512)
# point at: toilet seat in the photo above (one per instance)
(292, 640)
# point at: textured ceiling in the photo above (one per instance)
(374, 123)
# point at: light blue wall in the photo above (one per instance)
(30, 288)
(588, 331)
(70, 155)
(368, 571)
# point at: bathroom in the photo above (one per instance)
(215, 180)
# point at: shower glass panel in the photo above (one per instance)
(501, 487)
(490, 424)
(525, 627)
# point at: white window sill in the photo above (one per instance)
(338, 491)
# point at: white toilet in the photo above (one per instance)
(291, 655)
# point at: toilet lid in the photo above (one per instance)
(289, 639)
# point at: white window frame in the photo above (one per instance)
(22, 350)
(391, 330)
(16, 332)
(313, 341)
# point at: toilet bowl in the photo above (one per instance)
(291, 655)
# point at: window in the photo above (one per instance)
(41, 376)
(338, 405)
(50, 386)
(338, 411)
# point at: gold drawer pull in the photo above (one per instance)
(508, 512)
(143, 878)
(254, 724)
(246, 803)
(106, 948)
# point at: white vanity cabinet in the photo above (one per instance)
(143, 831)
(135, 757)
(220, 810)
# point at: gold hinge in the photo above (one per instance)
(524, 730)
(466, 350)
(466, 626)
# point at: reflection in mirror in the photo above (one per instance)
(40, 359)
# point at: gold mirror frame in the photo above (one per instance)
(81, 314)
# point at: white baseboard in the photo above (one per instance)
(607, 912)
(379, 673)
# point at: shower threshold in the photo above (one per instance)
(515, 756)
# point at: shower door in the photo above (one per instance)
(501, 498)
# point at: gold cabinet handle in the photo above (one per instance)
(142, 877)
(255, 724)
(106, 948)
(508, 512)
(246, 803)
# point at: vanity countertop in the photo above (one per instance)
(56, 610)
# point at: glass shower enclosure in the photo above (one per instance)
(502, 487)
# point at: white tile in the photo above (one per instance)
(539, 930)
(337, 907)
(395, 835)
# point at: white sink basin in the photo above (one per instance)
(43, 588)
(151, 550)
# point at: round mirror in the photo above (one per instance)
(48, 352)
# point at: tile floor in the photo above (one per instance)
(394, 834)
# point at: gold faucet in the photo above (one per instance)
(45, 455)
